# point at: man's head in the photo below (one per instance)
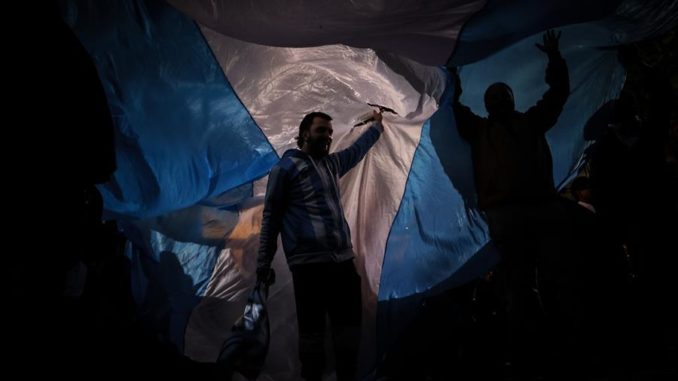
(624, 121)
(499, 100)
(581, 189)
(627, 56)
(315, 134)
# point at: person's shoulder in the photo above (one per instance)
(292, 155)
(292, 160)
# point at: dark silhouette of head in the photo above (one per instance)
(581, 189)
(499, 100)
(627, 56)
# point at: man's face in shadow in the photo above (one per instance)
(499, 101)
(319, 137)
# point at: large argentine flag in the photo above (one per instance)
(206, 95)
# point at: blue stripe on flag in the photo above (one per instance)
(182, 134)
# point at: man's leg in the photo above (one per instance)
(311, 311)
(345, 310)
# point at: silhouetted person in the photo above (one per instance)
(70, 297)
(633, 187)
(599, 286)
(71, 145)
(514, 180)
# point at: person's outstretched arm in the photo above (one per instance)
(349, 157)
(467, 122)
(545, 113)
